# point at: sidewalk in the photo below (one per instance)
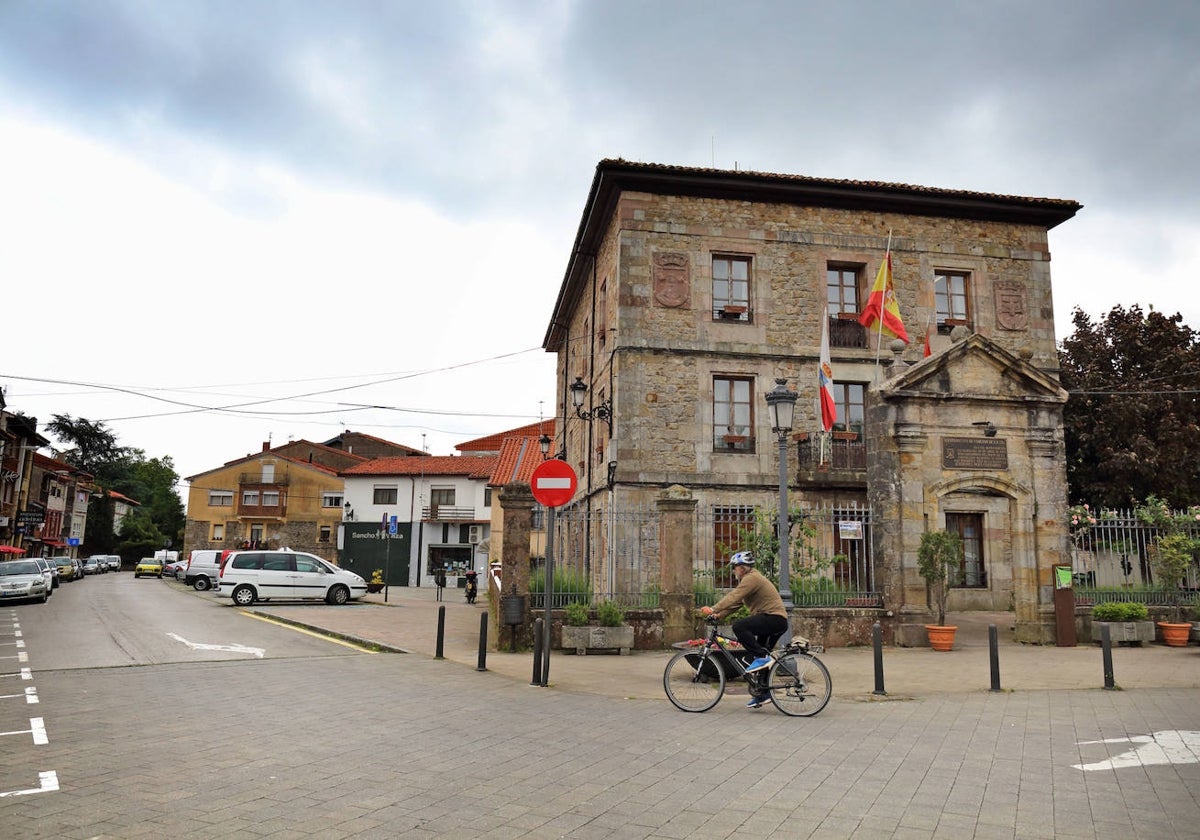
(408, 623)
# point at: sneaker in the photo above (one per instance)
(759, 664)
(758, 702)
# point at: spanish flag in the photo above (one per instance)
(881, 306)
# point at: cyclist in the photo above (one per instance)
(768, 620)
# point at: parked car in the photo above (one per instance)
(49, 570)
(174, 569)
(78, 567)
(66, 567)
(249, 576)
(148, 566)
(91, 566)
(203, 568)
(23, 579)
(51, 567)
(114, 562)
(101, 562)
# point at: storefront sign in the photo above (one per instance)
(974, 454)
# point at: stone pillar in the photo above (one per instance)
(516, 504)
(677, 598)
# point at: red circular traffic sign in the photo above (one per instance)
(553, 482)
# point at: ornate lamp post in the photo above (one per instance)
(782, 404)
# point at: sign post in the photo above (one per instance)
(553, 484)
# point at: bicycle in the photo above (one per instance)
(797, 682)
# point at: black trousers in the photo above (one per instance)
(756, 631)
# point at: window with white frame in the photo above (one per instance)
(332, 499)
(733, 413)
(385, 494)
(220, 498)
(218, 532)
(731, 288)
(250, 498)
(270, 498)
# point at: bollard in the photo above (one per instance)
(994, 653)
(877, 644)
(537, 652)
(482, 662)
(441, 634)
(546, 628)
(1106, 647)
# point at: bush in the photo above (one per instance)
(570, 585)
(610, 614)
(577, 614)
(1120, 611)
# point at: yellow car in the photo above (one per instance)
(66, 567)
(148, 566)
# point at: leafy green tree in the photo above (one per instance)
(1133, 418)
(93, 448)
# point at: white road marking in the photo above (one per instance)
(231, 648)
(37, 728)
(30, 695)
(48, 782)
(1171, 746)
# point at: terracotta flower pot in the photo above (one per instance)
(1175, 635)
(941, 637)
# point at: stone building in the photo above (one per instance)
(689, 292)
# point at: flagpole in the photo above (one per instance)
(879, 337)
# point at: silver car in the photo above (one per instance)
(22, 580)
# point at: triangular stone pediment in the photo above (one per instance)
(975, 367)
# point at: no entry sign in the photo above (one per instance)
(553, 483)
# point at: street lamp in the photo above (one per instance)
(782, 404)
(603, 411)
(349, 512)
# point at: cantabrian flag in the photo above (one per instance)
(881, 306)
(825, 378)
(928, 349)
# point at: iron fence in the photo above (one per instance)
(1111, 560)
(615, 555)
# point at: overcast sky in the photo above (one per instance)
(235, 221)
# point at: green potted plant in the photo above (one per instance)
(1170, 558)
(1128, 622)
(938, 559)
(608, 632)
(375, 584)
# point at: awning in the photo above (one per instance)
(11, 549)
(54, 543)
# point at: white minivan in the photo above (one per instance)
(203, 568)
(249, 576)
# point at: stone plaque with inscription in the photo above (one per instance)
(974, 454)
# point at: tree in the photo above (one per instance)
(1132, 422)
(93, 448)
(938, 559)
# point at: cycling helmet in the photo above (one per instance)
(742, 558)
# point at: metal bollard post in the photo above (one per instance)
(1106, 648)
(537, 652)
(994, 654)
(482, 662)
(441, 633)
(877, 644)
(546, 628)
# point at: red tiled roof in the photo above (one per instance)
(518, 458)
(492, 443)
(473, 466)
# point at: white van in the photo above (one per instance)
(249, 576)
(203, 568)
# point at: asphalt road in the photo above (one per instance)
(315, 739)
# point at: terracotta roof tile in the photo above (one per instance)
(473, 466)
(492, 443)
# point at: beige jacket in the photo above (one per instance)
(756, 592)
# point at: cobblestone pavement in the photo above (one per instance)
(390, 745)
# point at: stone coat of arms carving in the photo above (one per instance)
(1011, 311)
(672, 279)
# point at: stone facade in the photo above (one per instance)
(637, 320)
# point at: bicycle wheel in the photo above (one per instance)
(693, 682)
(799, 685)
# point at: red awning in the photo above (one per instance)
(54, 543)
(11, 549)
